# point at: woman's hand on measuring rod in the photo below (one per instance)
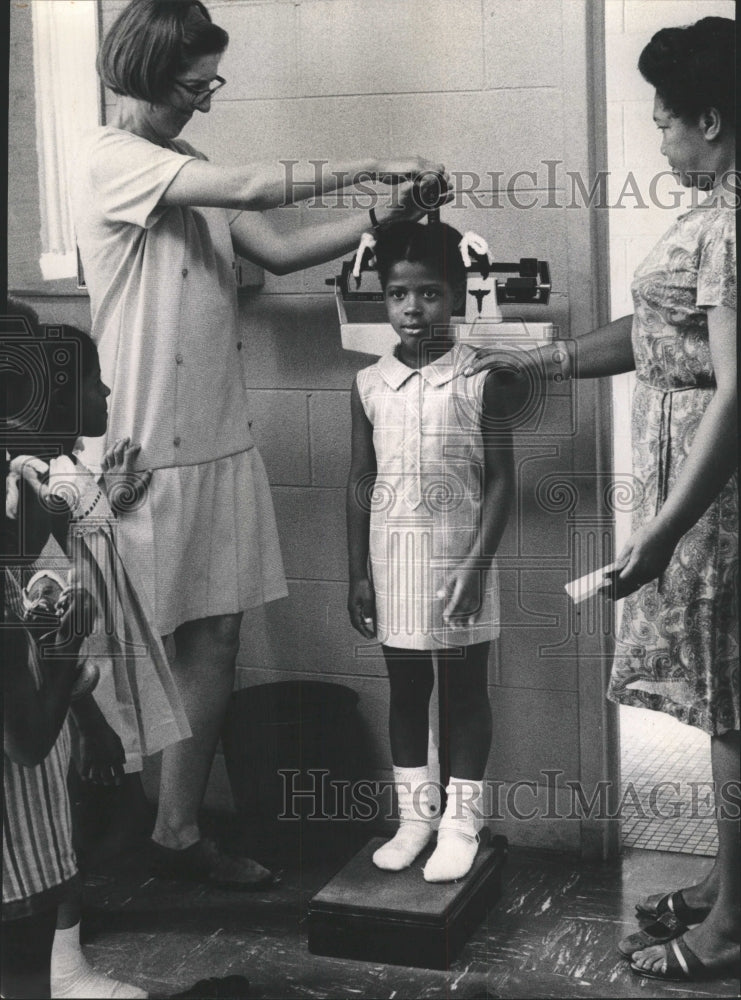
(418, 193)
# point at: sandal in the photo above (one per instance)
(664, 929)
(204, 862)
(682, 965)
(673, 903)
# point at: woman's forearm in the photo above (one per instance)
(282, 253)
(289, 181)
(602, 352)
(712, 459)
(259, 186)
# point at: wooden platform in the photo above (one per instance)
(398, 918)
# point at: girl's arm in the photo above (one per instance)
(33, 713)
(466, 584)
(361, 602)
(605, 351)
(259, 186)
(711, 461)
(257, 238)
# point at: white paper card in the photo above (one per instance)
(587, 586)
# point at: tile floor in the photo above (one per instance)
(551, 934)
(677, 816)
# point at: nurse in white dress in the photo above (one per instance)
(158, 227)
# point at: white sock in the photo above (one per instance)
(457, 838)
(415, 820)
(72, 977)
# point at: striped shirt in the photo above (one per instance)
(38, 858)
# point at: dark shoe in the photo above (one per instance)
(664, 929)
(204, 862)
(683, 965)
(216, 989)
(673, 903)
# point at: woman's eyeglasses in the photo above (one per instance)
(202, 93)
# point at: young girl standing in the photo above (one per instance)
(136, 703)
(431, 482)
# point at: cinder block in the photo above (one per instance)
(311, 523)
(525, 642)
(280, 427)
(235, 132)
(483, 131)
(293, 342)
(63, 309)
(261, 60)
(311, 631)
(534, 730)
(522, 43)
(422, 45)
(536, 818)
(329, 431)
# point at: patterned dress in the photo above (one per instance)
(426, 501)
(677, 650)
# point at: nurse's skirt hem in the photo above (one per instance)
(205, 541)
(682, 713)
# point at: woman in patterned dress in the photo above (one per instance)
(677, 651)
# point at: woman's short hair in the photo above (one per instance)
(436, 245)
(152, 41)
(693, 68)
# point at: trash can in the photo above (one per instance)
(287, 744)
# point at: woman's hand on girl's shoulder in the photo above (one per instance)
(361, 605)
(125, 487)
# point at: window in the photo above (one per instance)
(65, 42)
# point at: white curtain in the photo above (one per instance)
(67, 103)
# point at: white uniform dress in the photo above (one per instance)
(426, 502)
(164, 308)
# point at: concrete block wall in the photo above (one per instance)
(484, 85)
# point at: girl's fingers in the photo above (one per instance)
(130, 455)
